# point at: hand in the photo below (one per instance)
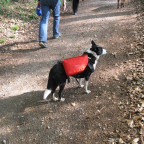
(38, 3)
(64, 6)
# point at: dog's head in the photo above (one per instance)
(97, 49)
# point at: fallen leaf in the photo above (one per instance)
(135, 141)
(73, 104)
(130, 123)
(121, 141)
(142, 131)
(112, 141)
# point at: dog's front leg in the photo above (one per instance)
(80, 83)
(86, 87)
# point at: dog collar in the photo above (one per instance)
(91, 52)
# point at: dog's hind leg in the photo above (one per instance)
(86, 85)
(50, 84)
(46, 93)
(122, 3)
(53, 93)
(55, 98)
(118, 3)
(79, 81)
(60, 92)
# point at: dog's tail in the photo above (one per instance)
(46, 93)
(49, 85)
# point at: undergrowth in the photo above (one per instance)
(16, 10)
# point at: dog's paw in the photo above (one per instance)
(62, 99)
(55, 98)
(88, 91)
(81, 86)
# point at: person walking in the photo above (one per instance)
(46, 6)
(75, 5)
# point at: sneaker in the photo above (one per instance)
(43, 44)
(57, 36)
(75, 13)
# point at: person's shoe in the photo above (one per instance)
(43, 44)
(57, 36)
(75, 13)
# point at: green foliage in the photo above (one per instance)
(61, 3)
(3, 40)
(33, 15)
(0, 30)
(16, 10)
(23, 16)
(5, 2)
(12, 36)
(142, 1)
(23, 26)
(14, 28)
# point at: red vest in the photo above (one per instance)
(75, 65)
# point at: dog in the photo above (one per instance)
(122, 3)
(58, 77)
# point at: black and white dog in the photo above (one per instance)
(58, 77)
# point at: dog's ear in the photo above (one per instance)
(93, 43)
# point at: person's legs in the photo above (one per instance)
(56, 22)
(75, 6)
(44, 24)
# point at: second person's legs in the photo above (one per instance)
(44, 24)
(75, 6)
(56, 15)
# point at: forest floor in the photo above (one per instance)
(111, 113)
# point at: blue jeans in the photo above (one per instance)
(46, 5)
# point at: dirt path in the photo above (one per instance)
(82, 119)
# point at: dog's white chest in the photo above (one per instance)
(94, 65)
